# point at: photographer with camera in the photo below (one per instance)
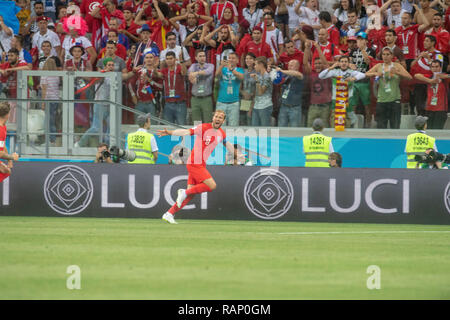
(143, 143)
(103, 155)
(417, 143)
(432, 160)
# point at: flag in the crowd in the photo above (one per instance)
(8, 10)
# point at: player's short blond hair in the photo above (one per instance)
(4, 108)
(220, 111)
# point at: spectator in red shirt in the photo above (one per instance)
(225, 42)
(428, 12)
(174, 90)
(146, 84)
(442, 36)
(407, 35)
(199, 7)
(447, 16)
(218, 8)
(122, 39)
(256, 46)
(329, 50)
(8, 71)
(437, 101)
(105, 12)
(391, 40)
(320, 92)
(86, 8)
(291, 53)
(77, 63)
(191, 25)
(422, 64)
(333, 32)
(134, 5)
(128, 27)
(158, 12)
(120, 49)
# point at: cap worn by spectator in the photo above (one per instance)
(317, 124)
(352, 38)
(145, 27)
(244, 24)
(151, 51)
(420, 122)
(257, 28)
(106, 60)
(309, 31)
(142, 119)
(361, 34)
(77, 46)
(43, 18)
(127, 8)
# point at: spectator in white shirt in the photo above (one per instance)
(50, 91)
(393, 15)
(340, 16)
(44, 34)
(308, 15)
(6, 34)
(252, 13)
(171, 40)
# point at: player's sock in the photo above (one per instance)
(199, 188)
(175, 208)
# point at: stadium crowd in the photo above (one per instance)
(265, 63)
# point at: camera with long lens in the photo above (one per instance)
(432, 157)
(106, 154)
(118, 154)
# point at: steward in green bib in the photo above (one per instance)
(317, 147)
(417, 143)
(142, 142)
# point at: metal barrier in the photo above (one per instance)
(34, 118)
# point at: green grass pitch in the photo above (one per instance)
(204, 259)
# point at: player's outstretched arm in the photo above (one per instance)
(12, 157)
(230, 147)
(176, 132)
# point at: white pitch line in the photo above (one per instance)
(362, 232)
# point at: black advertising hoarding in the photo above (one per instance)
(243, 193)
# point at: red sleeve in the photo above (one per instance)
(118, 14)
(335, 37)
(164, 72)
(243, 50)
(199, 129)
(443, 39)
(83, 7)
(336, 51)
(268, 51)
(224, 135)
(397, 31)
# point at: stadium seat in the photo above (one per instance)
(36, 123)
(360, 122)
(447, 123)
(407, 121)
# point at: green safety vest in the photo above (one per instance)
(417, 144)
(317, 149)
(139, 142)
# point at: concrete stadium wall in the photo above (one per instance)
(360, 148)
